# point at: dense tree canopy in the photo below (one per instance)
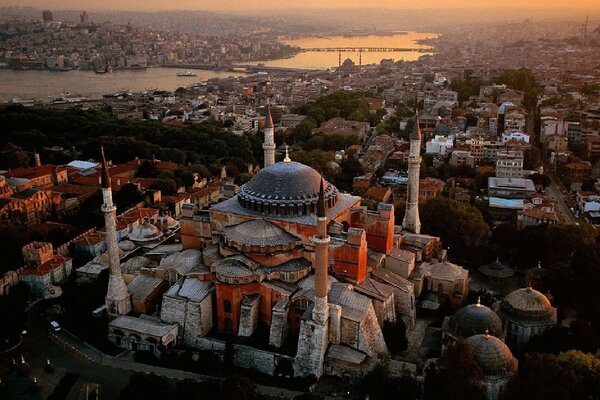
(460, 226)
(202, 143)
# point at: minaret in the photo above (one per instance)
(411, 220)
(314, 331)
(321, 241)
(269, 144)
(118, 301)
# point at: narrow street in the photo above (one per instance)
(562, 210)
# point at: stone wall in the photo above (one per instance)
(249, 315)
(279, 324)
(371, 339)
(312, 345)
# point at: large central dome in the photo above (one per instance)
(286, 188)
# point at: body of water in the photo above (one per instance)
(330, 59)
(38, 85)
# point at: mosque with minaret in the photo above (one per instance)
(301, 278)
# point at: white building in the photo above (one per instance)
(439, 145)
(519, 136)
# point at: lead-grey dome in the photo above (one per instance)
(529, 305)
(475, 319)
(286, 188)
(492, 355)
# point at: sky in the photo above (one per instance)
(282, 5)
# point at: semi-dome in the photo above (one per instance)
(145, 232)
(286, 188)
(492, 355)
(527, 304)
(475, 319)
(259, 232)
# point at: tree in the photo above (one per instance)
(460, 226)
(542, 180)
(531, 158)
(317, 159)
(456, 373)
(548, 377)
(351, 168)
(165, 185)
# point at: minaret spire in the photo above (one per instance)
(321, 263)
(118, 301)
(105, 178)
(269, 144)
(411, 220)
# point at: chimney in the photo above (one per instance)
(36, 157)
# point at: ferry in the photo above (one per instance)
(186, 73)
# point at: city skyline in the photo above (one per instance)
(238, 6)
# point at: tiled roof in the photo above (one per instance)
(143, 286)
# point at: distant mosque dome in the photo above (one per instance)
(286, 189)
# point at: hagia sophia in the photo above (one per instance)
(304, 279)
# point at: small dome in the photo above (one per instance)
(529, 305)
(126, 245)
(134, 264)
(165, 222)
(492, 355)
(145, 232)
(475, 319)
(103, 258)
(446, 270)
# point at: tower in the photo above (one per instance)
(118, 301)
(321, 241)
(269, 144)
(411, 220)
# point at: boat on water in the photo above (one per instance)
(107, 70)
(186, 73)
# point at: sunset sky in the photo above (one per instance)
(230, 5)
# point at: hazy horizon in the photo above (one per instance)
(278, 5)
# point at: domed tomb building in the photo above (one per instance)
(497, 363)
(526, 313)
(472, 319)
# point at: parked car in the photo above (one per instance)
(55, 326)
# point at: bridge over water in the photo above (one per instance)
(366, 49)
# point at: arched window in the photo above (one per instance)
(227, 306)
